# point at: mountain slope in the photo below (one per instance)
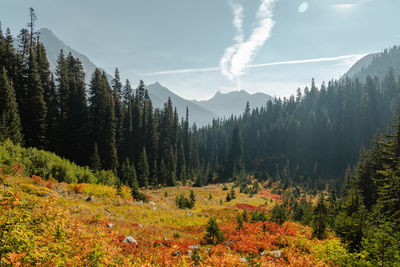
(159, 95)
(224, 105)
(376, 64)
(53, 46)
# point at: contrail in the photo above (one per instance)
(237, 57)
(225, 62)
(355, 57)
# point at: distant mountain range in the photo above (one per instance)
(376, 64)
(200, 112)
(233, 103)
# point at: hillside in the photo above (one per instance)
(233, 103)
(376, 64)
(53, 46)
(57, 224)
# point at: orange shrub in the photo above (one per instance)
(17, 168)
(77, 188)
(37, 179)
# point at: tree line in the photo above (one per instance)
(309, 139)
(107, 126)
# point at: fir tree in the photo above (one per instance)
(35, 126)
(320, 221)
(143, 169)
(10, 122)
(213, 234)
(95, 160)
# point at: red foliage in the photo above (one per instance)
(17, 168)
(77, 188)
(37, 179)
(267, 193)
(250, 207)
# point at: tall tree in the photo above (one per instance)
(10, 126)
(36, 127)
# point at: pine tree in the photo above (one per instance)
(171, 180)
(127, 173)
(143, 169)
(95, 160)
(213, 233)
(36, 126)
(320, 221)
(127, 94)
(9, 118)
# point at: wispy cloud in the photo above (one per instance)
(351, 4)
(237, 57)
(349, 59)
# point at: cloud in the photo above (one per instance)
(347, 59)
(237, 57)
(351, 4)
(237, 22)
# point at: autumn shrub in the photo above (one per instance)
(37, 179)
(77, 188)
(35, 190)
(46, 164)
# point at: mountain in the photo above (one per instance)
(53, 46)
(224, 105)
(376, 64)
(160, 94)
(200, 112)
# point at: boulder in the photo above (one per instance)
(110, 225)
(243, 259)
(152, 203)
(276, 253)
(130, 240)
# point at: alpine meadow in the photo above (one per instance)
(198, 150)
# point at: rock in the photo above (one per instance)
(130, 240)
(110, 225)
(176, 253)
(192, 247)
(154, 208)
(189, 214)
(140, 202)
(47, 195)
(263, 253)
(163, 204)
(243, 259)
(230, 243)
(152, 203)
(90, 198)
(140, 225)
(276, 253)
(165, 239)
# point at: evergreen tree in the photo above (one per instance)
(127, 173)
(95, 160)
(143, 169)
(320, 221)
(213, 233)
(35, 126)
(10, 126)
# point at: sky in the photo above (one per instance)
(199, 47)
